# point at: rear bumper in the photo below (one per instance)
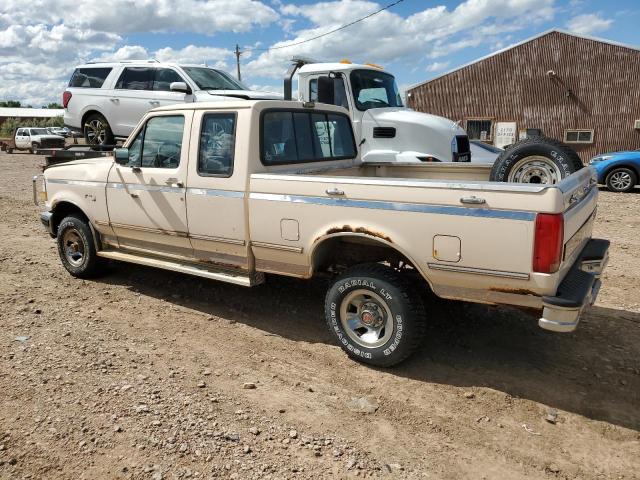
(578, 290)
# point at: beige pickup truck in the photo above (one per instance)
(234, 191)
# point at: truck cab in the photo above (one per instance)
(385, 129)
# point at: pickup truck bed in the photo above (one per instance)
(382, 231)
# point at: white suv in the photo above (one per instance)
(106, 100)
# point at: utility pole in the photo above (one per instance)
(238, 53)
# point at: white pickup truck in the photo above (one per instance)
(232, 191)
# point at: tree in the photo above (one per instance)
(54, 105)
(10, 104)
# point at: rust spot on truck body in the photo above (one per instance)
(362, 230)
(515, 291)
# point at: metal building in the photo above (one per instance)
(581, 90)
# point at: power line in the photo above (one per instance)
(342, 27)
(237, 51)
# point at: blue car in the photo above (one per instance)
(619, 171)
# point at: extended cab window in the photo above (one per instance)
(295, 136)
(89, 77)
(158, 144)
(217, 144)
(136, 78)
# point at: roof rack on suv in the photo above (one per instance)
(150, 60)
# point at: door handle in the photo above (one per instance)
(334, 191)
(154, 102)
(174, 182)
(473, 200)
(115, 100)
(134, 195)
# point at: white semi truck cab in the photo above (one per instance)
(385, 130)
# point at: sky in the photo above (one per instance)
(415, 40)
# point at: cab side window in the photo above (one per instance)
(339, 93)
(217, 145)
(164, 77)
(136, 78)
(158, 144)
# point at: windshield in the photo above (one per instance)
(210, 79)
(39, 131)
(373, 89)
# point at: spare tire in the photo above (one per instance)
(535, 160)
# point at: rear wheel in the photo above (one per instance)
(97, 131)
(76, 247)
(375, 315)
(621, 180)
(535, 160)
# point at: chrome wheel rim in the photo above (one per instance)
(366, 318)
(96, 131)
(620, 180)
(535, 169)
(73, 247)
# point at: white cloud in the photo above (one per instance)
(589, 23)
(437, 66)
(435, 32)
(125, 16)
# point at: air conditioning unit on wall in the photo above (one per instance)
(636, 125)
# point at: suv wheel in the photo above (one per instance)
(34, 146)
(97, 131)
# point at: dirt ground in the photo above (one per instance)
(146, 374)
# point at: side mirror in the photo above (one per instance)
(326, 90)
(121, 155)
(180, 87)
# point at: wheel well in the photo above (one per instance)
(62, 210)
(339, 252)
(633, 168)
(84, 117)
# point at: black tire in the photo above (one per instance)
(9, 150)
(512, 166)
(76, 247)
(374, 283)
(97, 131)
(621, 180)
(34, 147)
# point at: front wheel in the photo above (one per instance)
(621, 180)
(34, 146)
(76, 247)
(375, 315)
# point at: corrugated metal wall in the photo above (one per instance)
(596, 87)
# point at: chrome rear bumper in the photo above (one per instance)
(578, 290)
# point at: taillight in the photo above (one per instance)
(548, 242)
(66, 96)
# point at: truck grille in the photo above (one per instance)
(384, 132)
(52, 143)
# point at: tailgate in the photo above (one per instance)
(580, 194)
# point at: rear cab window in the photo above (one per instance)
(92, 77)
(301, 136)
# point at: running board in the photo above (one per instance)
(221, 275)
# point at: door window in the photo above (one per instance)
(158, 144)
(136, 78)
(339, 92)
(297, 137)
(217, 144)
(164, 77)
